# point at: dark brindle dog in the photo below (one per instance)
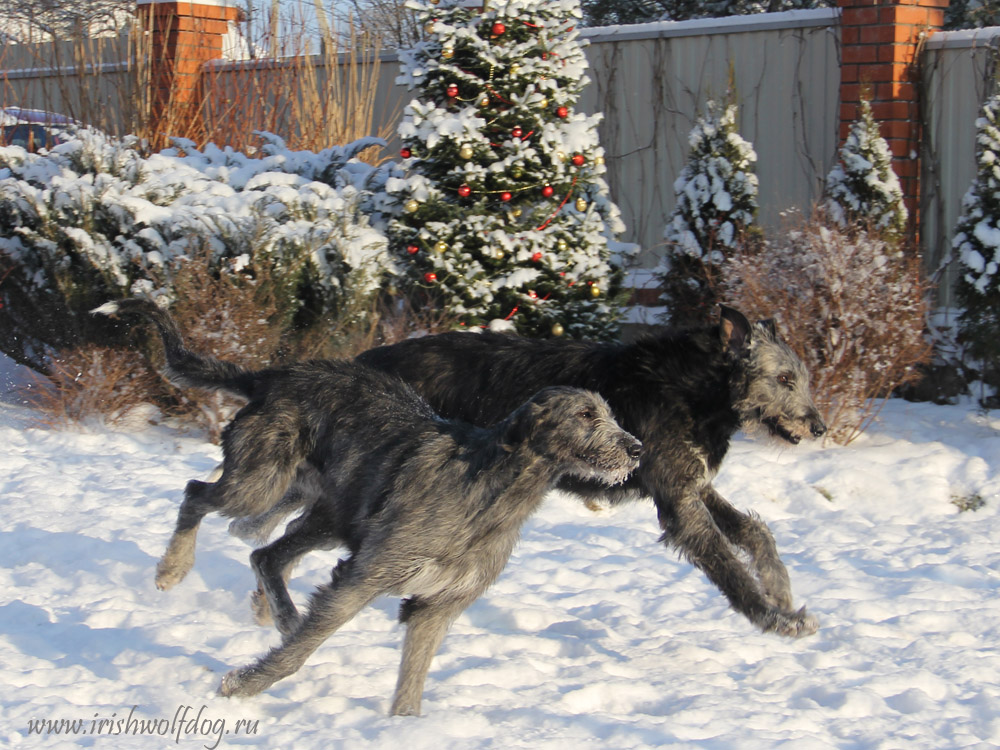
(428, 508)
(683, 394)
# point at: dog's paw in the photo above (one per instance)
(795, 624)
(239, 683)
(169, 575)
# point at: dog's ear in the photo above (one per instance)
(519, 426)
(769, 327)
(735, 331)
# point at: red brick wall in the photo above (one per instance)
(880, 42)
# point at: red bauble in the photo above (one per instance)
(465, 191)
(412, 249)
(563, 112)
(505, 196)
(498, 29)
(578, 160)
(430, 277)
(547, 191)
(536, 257)
(405, 153)
(517, 132)
(452, 90)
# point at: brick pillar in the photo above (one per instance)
(180, 38)
(880, 40)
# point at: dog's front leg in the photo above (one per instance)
(749, 532)
(689, 526)
(331, 606)
(426, 625)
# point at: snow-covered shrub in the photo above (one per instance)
(714, 215)
(94, 219)
(851, 304)
(976, 246)
(862, 188)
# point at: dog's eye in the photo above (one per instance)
(586, 414)
(785, 380)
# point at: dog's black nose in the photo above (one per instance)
(634, 449)
(818, 429)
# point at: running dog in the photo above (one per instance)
(683, 394)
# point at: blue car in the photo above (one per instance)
(34, 129)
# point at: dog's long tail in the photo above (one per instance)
(184, 367)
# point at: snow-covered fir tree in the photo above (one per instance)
(976, 246)
(862, 187)
(503, 213)
(715, 211)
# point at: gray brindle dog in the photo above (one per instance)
(683, 393)
(429, 509)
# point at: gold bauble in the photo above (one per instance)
(544, 104)
(562, 245)
(411, 206)
(440, 247)
(557, 329)
(561, 155)
(595, 291)
(517, 172)
(598, 160)
(447, 53)
(498, 254)
(581, 204)
(516, 213)
(515, 69)
(466, 152)
(484, 102)
(429, 28)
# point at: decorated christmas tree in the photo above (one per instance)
(714, 215)
(977, 247)
(503, 213)
(862, 187)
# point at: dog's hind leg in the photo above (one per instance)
(260, 462)
(331, 606)
(427, 621)
(748, 532)
(273, 565)
(178, 559)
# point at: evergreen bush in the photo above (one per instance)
(713, 217)
(862, 189)
(94, 219)
(976, 247)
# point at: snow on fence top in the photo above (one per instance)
(791, 19)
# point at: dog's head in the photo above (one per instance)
(575, 429)
(773, 383)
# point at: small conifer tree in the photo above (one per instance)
(976, 246)
(862, 189)
(715, 212)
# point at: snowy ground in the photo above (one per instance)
(595, 636)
